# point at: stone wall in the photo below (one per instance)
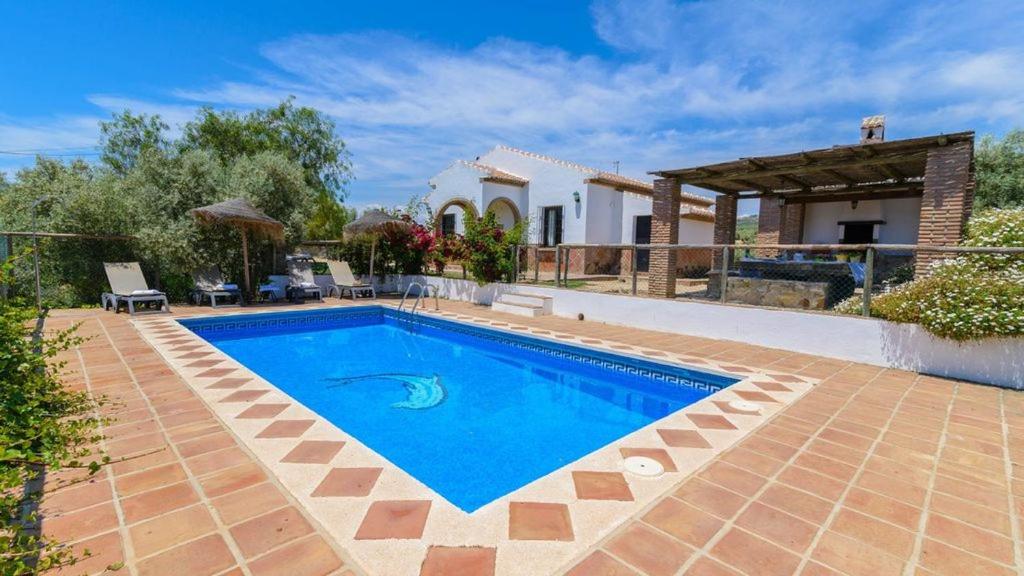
(777, 293)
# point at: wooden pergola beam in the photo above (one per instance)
(725, 176)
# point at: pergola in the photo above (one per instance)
(939, 169)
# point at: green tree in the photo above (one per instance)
(300, 133)
(999, 165)
(329, 218)
(126, 137)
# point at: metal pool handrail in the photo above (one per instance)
(423, 288)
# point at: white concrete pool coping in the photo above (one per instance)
(490, 527)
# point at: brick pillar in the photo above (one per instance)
(769, 219)
(791, 225)
(946, 203)
(725, 225)
(664, 230)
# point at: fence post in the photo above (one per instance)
(724, 279)
(6, 286)
(558, 266)
(634, 259)
(869, 277)
(515, 271)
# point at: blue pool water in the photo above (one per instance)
(471, 412)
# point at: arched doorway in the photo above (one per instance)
(506, 212)
(450, 215)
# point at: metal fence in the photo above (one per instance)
(796, 276)
(60, 268)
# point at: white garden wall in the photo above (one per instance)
(866, 340)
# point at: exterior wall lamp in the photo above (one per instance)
(576, 196)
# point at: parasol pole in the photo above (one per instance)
(245, 262)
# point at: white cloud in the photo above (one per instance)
(684, 83)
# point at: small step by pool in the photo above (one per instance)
(471, 412)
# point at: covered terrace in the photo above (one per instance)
(934, 173)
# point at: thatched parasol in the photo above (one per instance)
(240, 213)
(374, 222)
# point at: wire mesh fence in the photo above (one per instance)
(817, 277)
(60, 270)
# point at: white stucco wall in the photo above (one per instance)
(866, 340)
(901, 217)
(633, 205)
(696, 232)
(603, 215)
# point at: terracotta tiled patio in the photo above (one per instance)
(871, 472)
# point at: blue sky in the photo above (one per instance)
(413, 85)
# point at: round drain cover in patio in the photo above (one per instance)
(643, 466)
(745, 407)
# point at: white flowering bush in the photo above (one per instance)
(970, 297)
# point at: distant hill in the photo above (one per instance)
(746, 229)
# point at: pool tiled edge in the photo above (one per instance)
(392, 524)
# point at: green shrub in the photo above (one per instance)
(43, 426)
(489, 248)
(970, 297)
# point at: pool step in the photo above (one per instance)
(531, 305)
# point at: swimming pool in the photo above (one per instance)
(473, 413)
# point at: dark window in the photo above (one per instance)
(858, 233)
(642, 235)
(552, 230)
(448, 224)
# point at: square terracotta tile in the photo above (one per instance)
(228, 383)
(755, 396)
(313, 452)
(711, 421)
(286, 429)
(771, 386)
(156, 502)
(170, 530)
(261, 411)
(243, 504)
(347, 482)
(208, 555)
(270, 530)
(657, 454)
(753, 555)
(206, 363)
(649, 550)
(398, 519)
(683, 438)
(243, 396)
(600, 563)
(461, 561)
(308, 555)
(778, 527)
(215, 373)
(693, 526)
(601, 486)
(539, 521)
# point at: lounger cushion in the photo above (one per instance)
(145, 293)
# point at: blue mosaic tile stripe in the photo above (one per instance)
(363, 315)
(634, 366)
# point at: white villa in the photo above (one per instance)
(563, 202)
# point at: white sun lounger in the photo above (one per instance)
(301, 281)
(209, 283)
(345, 280)
(128, 287)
